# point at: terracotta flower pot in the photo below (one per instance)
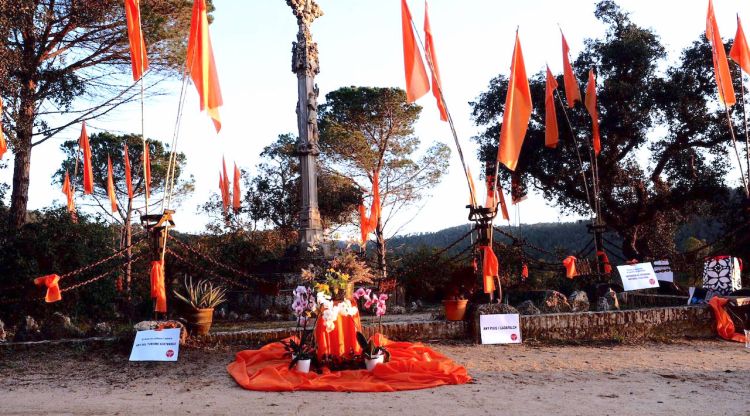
(199, 320)
(455, 309)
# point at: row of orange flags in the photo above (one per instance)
(236, 194)
(740, 53)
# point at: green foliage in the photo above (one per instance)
(369, 350)
(302, 349)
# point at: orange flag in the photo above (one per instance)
(490, 268)
(551, 134)
(236, 192)
(591, 107)
(721, 66)
(225, 184)
(147, 169)
(417, 83)
(375, 207)
(158, 289)
(138, 58)
(740, 51)
(111, 185)
(517, 111)
(429, 50)
(68, 191)
(503, 205)
(3, 144)
(572, 93)
(200, 63)
(224, 196)
(88, 172)
(364, 224)
(128, 178)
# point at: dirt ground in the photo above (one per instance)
(684, 378)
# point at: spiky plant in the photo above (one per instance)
(201, 295)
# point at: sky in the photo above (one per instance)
(359, 42)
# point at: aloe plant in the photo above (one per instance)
(369, 350)
(202, 294)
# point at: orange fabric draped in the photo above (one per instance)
(570, 267)
(429, 50)
(158, 290)
(593, 111)
(88, 172)
(412, 367)
(740, 51)
(551, 134)
(605, 260)
(491, 200)
(517, 112)
(572, 92)
(342, 340)
(128, 177)
(525, 271)
(201, 65)
(719, 55)
(3, 144)
(111, 185)
(68, 191)
(490, 268)
(138, 57)
(375, 207)
(417, 83)
(724, 325)
(53, 290)
(236, 194)
(364, 223)
(147, 170)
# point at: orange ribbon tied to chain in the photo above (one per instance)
(605, 261)
(158, 290)
(53, 290)
(570, 267)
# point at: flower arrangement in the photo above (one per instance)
(370, 351)
(299, 350)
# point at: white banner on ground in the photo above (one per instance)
(663, 271)
(161, 345)
(500, 329)
(638, 276)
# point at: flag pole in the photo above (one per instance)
(744, 118)
(578, 151)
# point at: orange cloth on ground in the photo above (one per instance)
(342, 340)
(53, 290)
(570, 267)
(724, 324)
(158, 290)
(412, 367)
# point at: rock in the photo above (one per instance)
(59, 326)
(28, 330)
(245, 317)
(527, 307)
(2, 331)
(102, 329)
(608, 302)
(232, 316)
(150, 325)
(555, 302)
(397, 310)
(488, 309)
(579, 301)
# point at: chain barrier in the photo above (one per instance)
(205, 270)
(213, 262)
(101, 261)
(100, 276)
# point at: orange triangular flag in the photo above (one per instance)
(68, 191)
(572, 93)
(740, 51)
(3, 144)
(88, 172)
(138, 58)
(147, 170)
(417, 83)
(503, 205)
(111, 185)
(721, 66)
(225, 184)
(517, 111)
(490, 268)
(375, 207)
(551, 134)
(201, 64)
(364, 224)
(236, 195)
(224, 196)
(591, 107)
(128, 177)
(429, 50)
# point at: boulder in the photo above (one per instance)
(579, 301)
(28, 330)
(397, 310)
(527, 307)
(2, 331)
(59, 326)
(555, 302)
(102, 329)
(150, 325)
(488, 309)
(608, 302)
(232, 316)
(247, 317)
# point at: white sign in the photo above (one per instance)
(663, 271)
(638, 276)
(500, 329)
(161, 345)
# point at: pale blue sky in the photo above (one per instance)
(360, 44)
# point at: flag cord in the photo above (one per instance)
(143, 139)
(736, 151)
(744, 118)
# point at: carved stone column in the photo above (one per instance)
(305, 65)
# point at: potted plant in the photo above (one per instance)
(302, 353)
(199, 300)
(373, 355)
(455, 306)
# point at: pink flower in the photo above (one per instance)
(383, 298)
(359, 293)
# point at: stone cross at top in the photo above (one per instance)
(305, 10)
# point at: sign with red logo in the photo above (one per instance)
(161, 345)
(638, 276)
(500, 329)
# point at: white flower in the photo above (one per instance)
(347, 309)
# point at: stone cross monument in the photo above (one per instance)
(305, 65)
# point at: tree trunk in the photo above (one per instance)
(22, 160)
(382, 266)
